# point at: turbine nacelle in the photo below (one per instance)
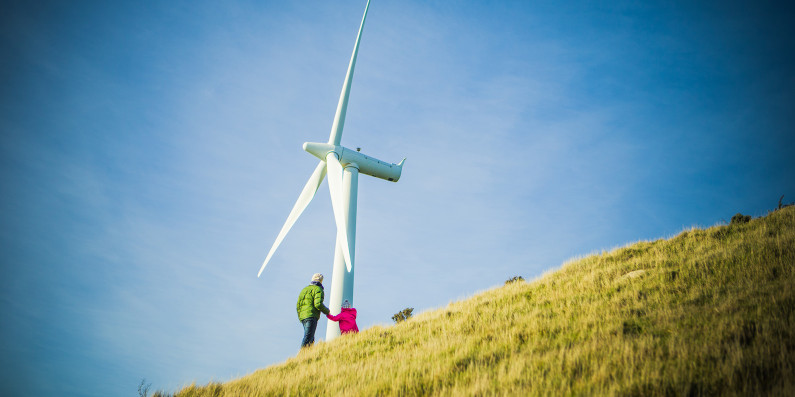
(366, 164)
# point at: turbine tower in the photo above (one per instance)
(343, 166)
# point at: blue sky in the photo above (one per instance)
(150, 153)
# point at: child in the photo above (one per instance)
(347, 318)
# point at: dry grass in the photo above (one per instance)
(706, 312)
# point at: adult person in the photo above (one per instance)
(346, 318)
(309, 306)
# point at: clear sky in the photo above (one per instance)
(151, 151)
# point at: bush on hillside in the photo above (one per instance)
(780, 205)
(514, 279)
(403, 315)
(739, 218)
(143, 388)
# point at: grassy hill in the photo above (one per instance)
(707, 312)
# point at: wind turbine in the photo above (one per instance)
(343, 166)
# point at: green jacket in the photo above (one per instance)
(310, 302)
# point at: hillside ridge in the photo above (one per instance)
(708, 311)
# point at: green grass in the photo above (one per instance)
(710, 311)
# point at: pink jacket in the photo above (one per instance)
(347, 319)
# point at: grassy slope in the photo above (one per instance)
(708, 311)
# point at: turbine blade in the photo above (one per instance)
(342, 105)
(335, 188)
(345, 249)
(303, 200)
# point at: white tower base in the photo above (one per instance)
(342, 279)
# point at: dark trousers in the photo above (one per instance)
(310, 324)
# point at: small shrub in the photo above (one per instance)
(739, 218)
(143, 388)
(781, 205)
(514, 279)
(403, 315)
